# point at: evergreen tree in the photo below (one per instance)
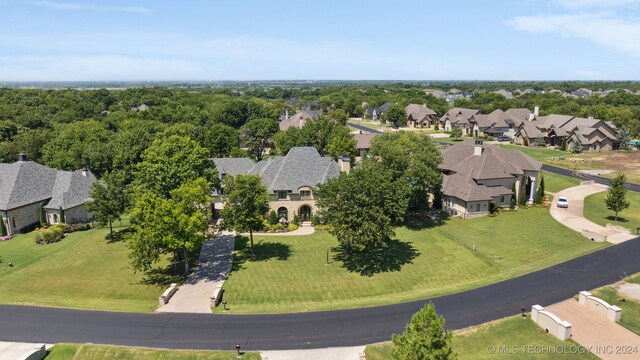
(513, 202)
(3, 230)
(273, 218)
(624, 137)
(43, 221)
(62, 221)
(563, 145)
(424, 338)
(616, 200)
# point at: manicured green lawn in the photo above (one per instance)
(630, 309)
(540, 154)
(82, 271)
(290, 273)
(554, 182)
(596, 211)
(103, 352)
(514, 334)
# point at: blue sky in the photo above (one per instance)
(329, 39)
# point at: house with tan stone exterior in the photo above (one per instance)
(459, 118)
(593, 134)
(420, 116)
(478, 176)
(27, 189)
(290, 180)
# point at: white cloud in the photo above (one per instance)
(581, 4)
(603, 29)
(84, 6)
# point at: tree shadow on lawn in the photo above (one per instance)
(391, 257)
(162, 277)
(620, 219)
(426, 220)
(118, 236)
(264, 251)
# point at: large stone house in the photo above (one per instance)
(593, 134)
(459, 118)
(420, 116)
(28, 188)
(477, 175)
(498, 123)
(290, 179)
(363, 142)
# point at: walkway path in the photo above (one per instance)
(214, 265)
(590, 329)
(341, 353)
(302, 230)
(573, 216)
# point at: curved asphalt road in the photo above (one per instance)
(549, 168)
(317, 329)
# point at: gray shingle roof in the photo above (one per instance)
(301, 167)
(25, 182)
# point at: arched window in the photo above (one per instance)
(283, 213)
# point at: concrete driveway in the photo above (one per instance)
(606, 339)
(573, 216)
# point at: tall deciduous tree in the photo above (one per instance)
(170, 162)
(412, 157)
(424, 338)
(108, 199)
(220, 140)
(364, 206)
(616, 200)
(257, 136)
(169, 226)
(245, 201)
(396, 115)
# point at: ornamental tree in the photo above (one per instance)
(424, 338)
(616, 200)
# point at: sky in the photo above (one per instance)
(90, 40)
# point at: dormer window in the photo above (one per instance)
(305, 194)
(282, 194)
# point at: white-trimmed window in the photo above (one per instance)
(305, 194)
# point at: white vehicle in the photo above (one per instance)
(563, 202)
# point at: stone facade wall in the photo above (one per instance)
(73, 215)
(22, 217)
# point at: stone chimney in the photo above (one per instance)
(85, 171)
(536, 110)
(477, 150)
(22, 157)
(344, 163)
(286, 114)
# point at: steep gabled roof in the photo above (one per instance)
(363, 139)
(418, 112)
(299, 119)
(26, 182)
(302, 166)
(494, 162)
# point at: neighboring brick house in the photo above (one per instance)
(290, 179)
(27, 188)
(477, 174)
(299, 119)
(420, 116)
(363, 142)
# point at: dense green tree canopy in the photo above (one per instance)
(170, 162)
(424, 338)
(363, 207)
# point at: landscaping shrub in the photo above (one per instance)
(50, 235)
(292, 227)
(273, 218)
(78, 227)
(317, 220)
(296, 219)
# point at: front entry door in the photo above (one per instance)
(305, 213)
